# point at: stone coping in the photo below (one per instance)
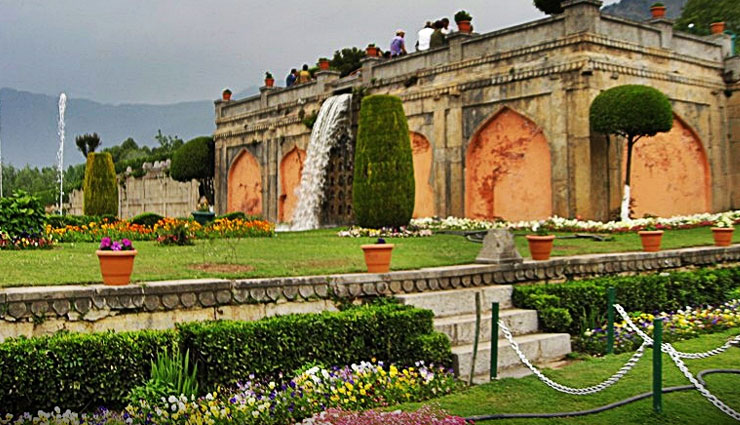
(94, 302)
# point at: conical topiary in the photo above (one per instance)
(100, 188)
(383, 189)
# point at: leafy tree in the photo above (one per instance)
(551, 7)
(697, 15)
(196, 160)
(383, 188)
(87, 143)
(347, 60)
(167, 143)
(632, 112)
(100, 186)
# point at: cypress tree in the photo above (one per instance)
(100, 186)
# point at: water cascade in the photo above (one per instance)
(331, 124)
(60, 152)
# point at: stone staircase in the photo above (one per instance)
(454, 312)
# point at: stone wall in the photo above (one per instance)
(33, 311)
(487, 91)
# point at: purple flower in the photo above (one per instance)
(105, 243)
(126, 243)
(116, 246)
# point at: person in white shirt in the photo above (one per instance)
(446, 26)
(425, 35)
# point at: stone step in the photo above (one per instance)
(461, 328)
(520, 371)
(459, 301)
(538, 348)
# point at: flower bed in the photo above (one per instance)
(683, 324)
(425, 416)
(384, 232)
(25, 241)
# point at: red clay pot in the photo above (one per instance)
(226, 96)
(540, 246)
(323, 65)
(717, 27)
(722, 235)
(378, 257)
(269, 82)
(658, 11)
(464, 26)
(372, 51)
(116, 266)
(651, 240)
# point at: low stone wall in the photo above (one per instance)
(33, 311)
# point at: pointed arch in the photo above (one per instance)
(291, 169)
(670, 173)
(508, 169)
(424, 192)
(245, 184)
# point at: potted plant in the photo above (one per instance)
(462, 19)
(658, 10)
(372, 51)
(226, 95)
(116, 261)
(717, 27)
(203, 214)
(378, 256)
(540, 244)
(722, 231)
(323, 64)
(650, 237)
(269, 80)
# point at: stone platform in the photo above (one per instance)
(33, 311)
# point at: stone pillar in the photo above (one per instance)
(325, 78)
(666, 31)
(440, 168)
(578, 103)
(455, 157)
(724, 41)
(455, 41)
(581, 16)
(220, 177)
(264, 93)
(558, 139)
(367, 69)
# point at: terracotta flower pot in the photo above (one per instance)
(722, 235)
(658, 11)
(269, 82)
(540, 246)
(717, 27)
(378, 257)
(464, 26)
(651, 240)
(323, 65)
(226, 96)
(372, 51)
(116, 266)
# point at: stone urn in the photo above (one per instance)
(116, 266)
(540, 246)
(651, 240)
(203, 217)
(378, 256)
(722, 235)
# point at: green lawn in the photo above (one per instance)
(287, 254)
(529, 395)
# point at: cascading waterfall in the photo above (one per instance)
(60, 152)
(331, 124)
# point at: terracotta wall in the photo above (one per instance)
(291, 168)
(245, 185)
(424, 192)
(670, 174)
(507, 170)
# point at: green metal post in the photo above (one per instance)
(494, 341)
(611, 299)
(657, 365)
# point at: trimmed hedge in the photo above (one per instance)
(631, 110)
(383, 188)
(100, 190)
(228, 351)
(59, 221)
(84, 371)
(575, 306)
(146, 219)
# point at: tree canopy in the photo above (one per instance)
(347, 60)
(631, 111)
(87, 143)
(551, 7)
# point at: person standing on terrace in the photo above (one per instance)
(438, 38)
(425, 36)
(290, 79)
(445, 26)
(398, 44)
(304, 76)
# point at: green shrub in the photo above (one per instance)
(586, 301)
(60, 221)
(170, 375)
(196, 160)
(383, 189)
(146, 219)
(76, 371)
(21, 214)
(228, 351)
(236, 215)
(551, 7)
(100, 187)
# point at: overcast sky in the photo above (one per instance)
(164, 51)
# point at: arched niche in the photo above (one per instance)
(508, 170)
(424, 192)
(245, 184)
(670, 173)
(291, 168)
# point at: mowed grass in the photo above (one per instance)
(287, 254)
(529, 395)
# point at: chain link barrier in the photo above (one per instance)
(565, 389)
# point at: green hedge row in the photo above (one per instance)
(575, 306)
(84, 371)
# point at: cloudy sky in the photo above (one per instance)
(164, 51)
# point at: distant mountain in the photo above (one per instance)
(28, 124)
(639, 10)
